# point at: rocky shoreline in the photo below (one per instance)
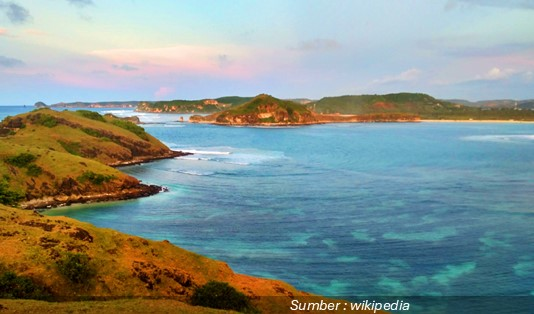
(142, 160)
(132, 192)
(141, 190)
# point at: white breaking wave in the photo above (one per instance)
(230, 156)
(522, 138)
(119, 112)
(195, 173)
(193, 158)
(204, 152)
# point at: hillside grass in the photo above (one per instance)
(134, 306)
(119, 268)
(79, 132)
(426, 106)
(48, 156)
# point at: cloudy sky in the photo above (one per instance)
(95, 50)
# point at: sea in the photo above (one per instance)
(352, 211)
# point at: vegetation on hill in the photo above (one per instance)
(427, 107)
(51, 158)
(262, 109)
(527, 104)
(193, 106)
(61, 259)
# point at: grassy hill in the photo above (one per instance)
(262, 109)
(193, 106)
(51, 158)
(37, 254)
(427, 107)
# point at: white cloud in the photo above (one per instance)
(496, 73)
(406, 76)
(529, 76)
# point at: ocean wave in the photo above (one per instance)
(193, 158)
(195, 173)
(522, 138)
(119, 112)
(205, 152)
(231, 156)
(237, 163)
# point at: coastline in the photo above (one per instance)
(137, 191)
(49, 202)
(141, 160)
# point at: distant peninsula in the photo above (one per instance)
(51, 158)
(101, 104)
(367, 108)
(270, 111)
(192, 106)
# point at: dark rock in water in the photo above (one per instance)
(40, 104)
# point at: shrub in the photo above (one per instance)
(21, 160)
(76, 267)
(34, 171)
(95, 178)
(90, 115)
(47, 120)
(8, 197)
(92, 132)
(132, 127)
(19, 287)
(220, 295)
(71, 147)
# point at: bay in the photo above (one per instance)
(345, 209)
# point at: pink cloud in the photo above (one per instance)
(214, 61)
(35, 32)
(3, 32)
(163, 92)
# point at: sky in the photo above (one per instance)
(103, 50)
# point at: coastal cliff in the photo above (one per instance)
(50, 158)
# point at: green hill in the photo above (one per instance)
(193, 106)
(427, 107)
(48, 158)
(262, 110)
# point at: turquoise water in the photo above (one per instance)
(428, 209)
